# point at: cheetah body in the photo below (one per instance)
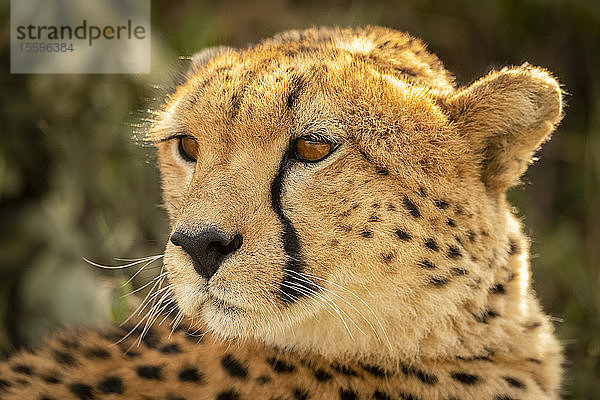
(392, 268)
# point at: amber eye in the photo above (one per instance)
(188, 148)
(312, 150)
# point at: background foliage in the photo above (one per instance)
(73, 184)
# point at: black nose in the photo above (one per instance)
(207, 249)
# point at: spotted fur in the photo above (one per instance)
(391, 269)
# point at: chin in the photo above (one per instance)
(190, 298)
(232, 322)
(228, 321)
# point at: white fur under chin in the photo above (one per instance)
(320, 331)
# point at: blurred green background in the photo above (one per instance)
(74, 184)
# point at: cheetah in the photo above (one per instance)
(339, 230)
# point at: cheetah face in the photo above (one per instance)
(322, 196)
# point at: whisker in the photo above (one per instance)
(158, 292)
(154, 312)
(339, 309)
(173, 308)
(176, 321)
(129, 334)
(328, 301)
(312, 294)
(137, 259)
(270, 300)
(159, 279)
(157, 311)
(141, 287)
(131, 264)
(144, 267)
(300, 275)
(360, 299)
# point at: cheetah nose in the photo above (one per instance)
(207, 250)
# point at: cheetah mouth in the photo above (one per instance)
(214, 303)
(223, 306)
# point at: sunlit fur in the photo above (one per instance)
(406, 134)
(414, 280)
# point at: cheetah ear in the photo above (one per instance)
(505, 117)
(201, 58)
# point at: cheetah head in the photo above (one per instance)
(331, 190)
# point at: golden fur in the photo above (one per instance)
(412, 274)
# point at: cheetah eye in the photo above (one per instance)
(188, 148)
(310, 149)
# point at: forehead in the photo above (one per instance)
(235, 94)
(253, 96)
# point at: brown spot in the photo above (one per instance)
(364, 155)
(344, 369)
(498, 289)
(533, 325)
(427, 264)
(374, 218)
(471, 236)
(454, 252)
(190, 374)
(431, 244)
(345, 214)
(236, 100)
(475, 358)
(97, 352)
(411, 207)
(427, 378)
(82, 391)
(441, 204)
(297, 84)
(514, 247)
(322, 376)
(464, 378)
(280, 366)
(22, 369)
(345, 228)
(514, 382)
(486, 316)
(376, 370)
(458, 271)
(234, 367)
(63, 358)
(69, 342)
(403, 235)
(438, 281)
(388, 257)
(149, 371)
(263, 379)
